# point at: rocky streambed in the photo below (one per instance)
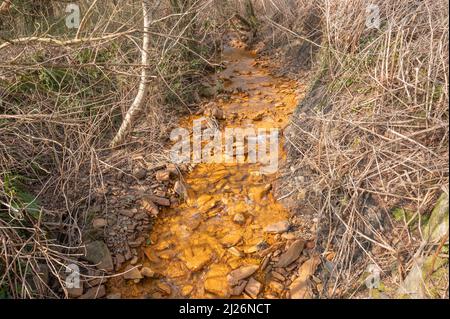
(216, 230)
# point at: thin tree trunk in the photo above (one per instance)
(139, 100)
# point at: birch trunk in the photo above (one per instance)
(139, 100)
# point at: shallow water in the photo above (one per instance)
(195, 245)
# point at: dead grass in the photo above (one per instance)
(373, 132)
(62, 96)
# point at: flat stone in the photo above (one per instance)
(162, 201)
(98, 253)
(197, 257)
(180, 189)
(239, 289)
(253, 288)
(231, 239)
(235, 252)
(239, 219)
(164, 287)
(276, 286)
(75, 292)
(216, 281)
(277, 228)
(132, 273)
(241, 273)
(278, 276)
(150, 207)
(300, 287)
(291, 254)
(94, 293)
(148, 272)
(163, 175)
(187, 290)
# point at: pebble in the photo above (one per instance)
(239, 219)
(164, 288)
(253, 288)
(241, 273)
(132, 273)
(148, 272)
(163, 175)
(291, 254)
(277, 228)
(239, 289)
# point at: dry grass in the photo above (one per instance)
(61, 101)
(373, 132)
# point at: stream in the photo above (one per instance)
(225, 222)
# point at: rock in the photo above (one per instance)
(162, 201)
(276, 286)
(180, 189)
(216, 281)
(231, 239)
(187, 290)
(253, 288)
(278, 228)
(197, 257)
(98, 253)
(148, 272)
(164, 287)
(163, 175)
(300, 287)
(95, 293)
(278, 276)
(173, 169)
(291, 254)
(239, 289)
(140, 173)
(116, 295)
(75, 292)
(235, 252)
(132, 273)
(99, 223)
(438, 223)
(218, 113)
(241, 273)
(150, 207)
(424, 277)
(258, 116)
(134, 261)
(239, 219)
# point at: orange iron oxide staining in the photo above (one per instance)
(221, 225)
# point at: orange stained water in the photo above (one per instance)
(194, 246)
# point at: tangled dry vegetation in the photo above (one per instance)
(371, 136)
(62, 96)
(369, 141)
